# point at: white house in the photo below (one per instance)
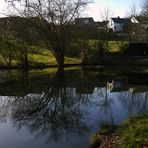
(143, 21)
(118, 24)
(134, 20)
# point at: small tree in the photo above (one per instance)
(106, 13)
(7, 51)
(133, 9)
(52, 20)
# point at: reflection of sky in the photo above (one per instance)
(121, 105)
(12, 138)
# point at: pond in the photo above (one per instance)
(45, 108)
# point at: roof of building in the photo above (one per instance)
(89, 20)
(85, 18)
(121, 20)
(103, 23)
(142, 19)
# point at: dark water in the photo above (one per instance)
(49, 109)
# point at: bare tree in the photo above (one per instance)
(144, 11)
(106, 13)
(133, 9)
(52, 20)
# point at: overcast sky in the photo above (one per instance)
(119, 7)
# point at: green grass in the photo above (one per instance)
(134, 132)
(40, 57)
(113, 46)
(74, 60)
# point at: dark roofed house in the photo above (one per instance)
(101, 25)
(84, 21)
(119, 24)
(85, 27)
(142, 20)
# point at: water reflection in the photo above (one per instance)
(70, 104)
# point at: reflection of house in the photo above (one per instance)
(138, 89)
(119, 24)
(116, 86)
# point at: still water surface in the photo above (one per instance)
(48, 109)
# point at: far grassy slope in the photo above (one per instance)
(40, 57)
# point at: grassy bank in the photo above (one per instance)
(37, 57)
(112, 55)
(133, 133)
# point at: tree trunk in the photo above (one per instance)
(60, 60)
(9, 60)
(26, 59)
(59, 55)
(84, 57)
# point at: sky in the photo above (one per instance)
(118, 7)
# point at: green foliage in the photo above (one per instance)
(108, 46)
(37, 56)
(74, 49)
(7, 50)
(134, 132)
(18, 53)
(118, 46)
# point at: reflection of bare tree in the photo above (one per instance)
(135, 100)
(5, 103)
(52, 113)
(60, 105)
(105, 105)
